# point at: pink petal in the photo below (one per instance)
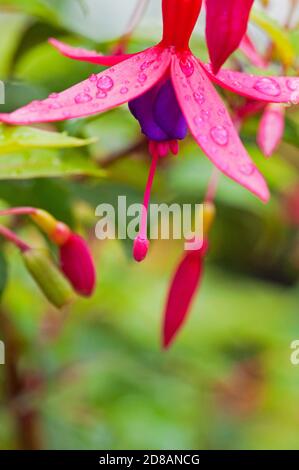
(77, 264)
(100, 92)
(250, 51)
(77, 53)
(271, 129)
(226, 25)
(182, 290)
(211, 125)
(268, 89)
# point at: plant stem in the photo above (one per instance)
(25, 415)
(212, 186)
(13, 238)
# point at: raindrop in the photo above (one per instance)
(53, 96)
(247, 169)
(145, 66)
(55, 106)
(293, 84)
(219, 135)
(268, 86)
(205, 114)
(83, 98)
(187, 67)
(105, 83)
(199, 98)
(197, 120)
(142, 77)
(124, 90)
(93, 78)
(101, 94)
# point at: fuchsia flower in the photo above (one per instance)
(170, 91)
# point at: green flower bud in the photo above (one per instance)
(48, 277)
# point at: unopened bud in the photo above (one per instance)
(77, 264)
(57, 231)
(140, 248)
(48, 277)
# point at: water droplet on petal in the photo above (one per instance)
(93, 78)
(101, 95)
(247, 169)
(105, 83)
(53, 96)
(55, 105)
(124, 90)
(268, 86)
(199, 98)
(220, 135)
(293, 84)
(83, 98)
(205, 114)
(187, 67)
(142, 77)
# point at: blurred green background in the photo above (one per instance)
(94, 376)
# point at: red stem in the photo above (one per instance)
(13, 238)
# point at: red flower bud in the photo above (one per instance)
(182, 290)
(77, 264)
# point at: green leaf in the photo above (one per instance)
(46, 163)
(13, 139)
(11, 28)
(291, 135)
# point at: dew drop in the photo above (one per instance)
(293, 84)
(102, 94)
(197, 120)
(83, 98)
(205, 114)
(124, 90)
(268, 86)
(55, 106)
(220, 135)
(53, 96)
(247, 169)
(187, 67)
(199, 98)
(142, 77)
(105, 83)
(93, 78)
(145, 66)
